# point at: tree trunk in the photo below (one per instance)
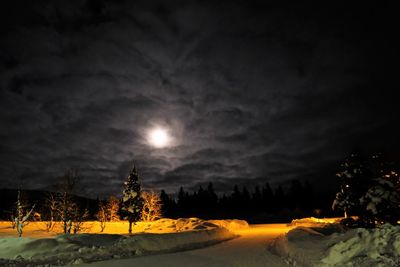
(130, 226)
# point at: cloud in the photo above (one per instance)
(248, 94)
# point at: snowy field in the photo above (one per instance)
(187, 242)
(38, 247)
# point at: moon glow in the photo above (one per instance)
(158, 138)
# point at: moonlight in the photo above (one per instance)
(158, 138)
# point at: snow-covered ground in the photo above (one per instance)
(166, 235)
(248, 250)
(185, 242)
(329, 245)
(37, 229)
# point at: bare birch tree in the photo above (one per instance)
(151, 206)
(51, 204)
(103, 215)
(22, 216)
(65, 199)
(113, 207)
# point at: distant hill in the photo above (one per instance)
(8, 198)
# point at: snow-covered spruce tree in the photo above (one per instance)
(131, 205)
(355, 179)
(382, 202)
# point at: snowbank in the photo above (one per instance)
(174, 235)
(232, 225)
(366, 247)
(312, 221)
(38, 229)
(331, 246)
(299, 247)
(189, 224)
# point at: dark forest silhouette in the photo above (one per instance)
(260, 204)
(257, 204)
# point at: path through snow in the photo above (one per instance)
(248, 250)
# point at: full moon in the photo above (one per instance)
(158, 138)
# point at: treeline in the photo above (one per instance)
(258, 204)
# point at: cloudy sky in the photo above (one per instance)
(247, 93)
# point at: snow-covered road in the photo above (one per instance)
(248, 250)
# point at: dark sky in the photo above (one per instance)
(249, 93)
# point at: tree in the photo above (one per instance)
(183, 201)
(131, 205)
(66, 209)
(51, 205)
(168, 205)
(382, 203)
(151, 209)
(212, 198)
(295, 195)
(102, 215)
(280, 198)
(256, 199)
(113, 207)
(267, 197)
(355, 179)
(77, 219)
(22, 216)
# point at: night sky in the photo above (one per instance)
(247, 93)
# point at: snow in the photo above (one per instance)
(304, 242)
(330, 245)
(312, 221)
(161, 236)
(366, 247)
(249, 249)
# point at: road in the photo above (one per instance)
(248, 250)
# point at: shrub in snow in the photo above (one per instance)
(132, 202)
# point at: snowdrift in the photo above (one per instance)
(168, 236)
(366, 247)
(312, 221)
(330, 245)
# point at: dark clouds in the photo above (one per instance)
(249, 93)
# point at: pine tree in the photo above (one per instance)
(267, 198)
(131, 202)
(382, 200)
(256, 200)
(355, 179)
(382, 203)
(167, 204)
(183, 202)
(279, 199)
(212, 198)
